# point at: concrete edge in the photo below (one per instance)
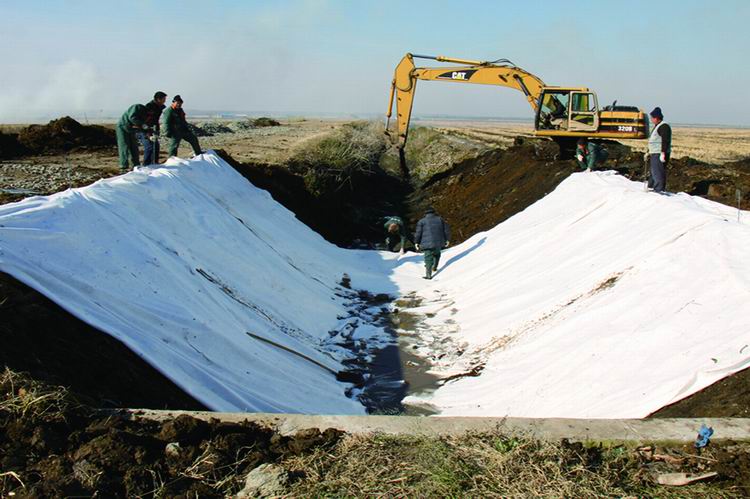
(551, 429)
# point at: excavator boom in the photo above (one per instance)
(559, 112)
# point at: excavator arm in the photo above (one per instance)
(501, 72)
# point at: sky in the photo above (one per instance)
(316, 57)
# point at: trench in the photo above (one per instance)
(473, 194)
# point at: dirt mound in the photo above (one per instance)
(58, 447)
(10, 147)
(63, 135)
(41, 338)
(251, 123)
(264, 121)
(198, 131)
(212, 128)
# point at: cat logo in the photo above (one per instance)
(457, 75)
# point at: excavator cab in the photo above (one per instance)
(565, 109)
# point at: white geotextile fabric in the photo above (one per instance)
(599, 301)
(179, 263)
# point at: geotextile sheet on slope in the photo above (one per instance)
(192, 267)
(599, 301)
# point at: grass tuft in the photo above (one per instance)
(332, 161)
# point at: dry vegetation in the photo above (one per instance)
(23, 397)
(482, 465)
(63, 448)
(330, 161)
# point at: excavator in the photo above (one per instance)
(561, 113)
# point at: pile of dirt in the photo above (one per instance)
(210, 128)
(264, 121)
(51, 445)
(251, 123)
(198, 131)
(64, 135)
(41, 338)
(10, 147)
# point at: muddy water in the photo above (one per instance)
(392, 372)
(395, 373)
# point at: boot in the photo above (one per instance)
(428, 273)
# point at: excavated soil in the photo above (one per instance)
(65, 134)
(56, 447)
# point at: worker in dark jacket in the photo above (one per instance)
(396, 233)
(590, 154)
(131, 122)
(177, 129)
(659, 150)
(432, 235)
(149, 138)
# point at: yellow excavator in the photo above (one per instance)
(562, 113)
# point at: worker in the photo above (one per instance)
(131, 122)
(396, 234)
(659, 150)
(177, 129)
(149, 139)
(432, 235)
(590, 154)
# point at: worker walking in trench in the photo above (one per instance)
(131, 122)
(149, 139)
(659, 150)
(432, 235)
(176, 127)
(590, 154)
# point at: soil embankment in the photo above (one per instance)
(51, 445)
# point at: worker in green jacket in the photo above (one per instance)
(590, 154)
(176, 127)
(131, 122)
(396, 233)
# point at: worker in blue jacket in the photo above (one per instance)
(432, 235)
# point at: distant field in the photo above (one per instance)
(709, 144)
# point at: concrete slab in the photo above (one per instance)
(602, 430)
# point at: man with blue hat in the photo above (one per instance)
(659, 150)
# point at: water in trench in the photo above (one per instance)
(386, 374)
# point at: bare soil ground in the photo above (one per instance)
(53, 445)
